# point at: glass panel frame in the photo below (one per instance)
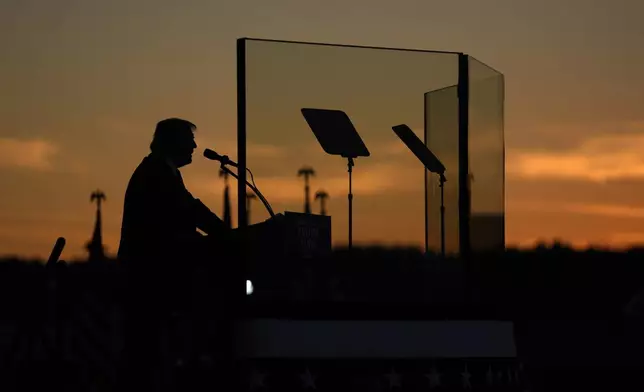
(247, 101)
(486, 157)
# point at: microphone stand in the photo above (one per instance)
(252, 187)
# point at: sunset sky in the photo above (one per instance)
(84, 82)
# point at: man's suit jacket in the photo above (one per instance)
(161, 217)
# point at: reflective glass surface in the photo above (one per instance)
(486, 157)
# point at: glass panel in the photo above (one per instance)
(441, 137)
(486, 157)
(377, 88)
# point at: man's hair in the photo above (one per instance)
(168, 132)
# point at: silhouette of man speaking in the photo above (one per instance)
(160, 245)
(160, 216)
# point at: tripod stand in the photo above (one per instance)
(337, 136)
(431, 163)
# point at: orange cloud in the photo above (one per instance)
(30, 239)
(369, 180)
(608, 210)
(229, 147)
(31, 154)
(599, 159)
(627, 239)
(611, 210)
(377, 150)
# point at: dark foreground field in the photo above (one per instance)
(574, 326)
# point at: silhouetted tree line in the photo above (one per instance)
(593, 280)
(535, 288)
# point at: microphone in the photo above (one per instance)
(213, 156)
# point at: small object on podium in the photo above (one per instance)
(307, 235)
(295, 236)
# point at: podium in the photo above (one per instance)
(294, 237)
